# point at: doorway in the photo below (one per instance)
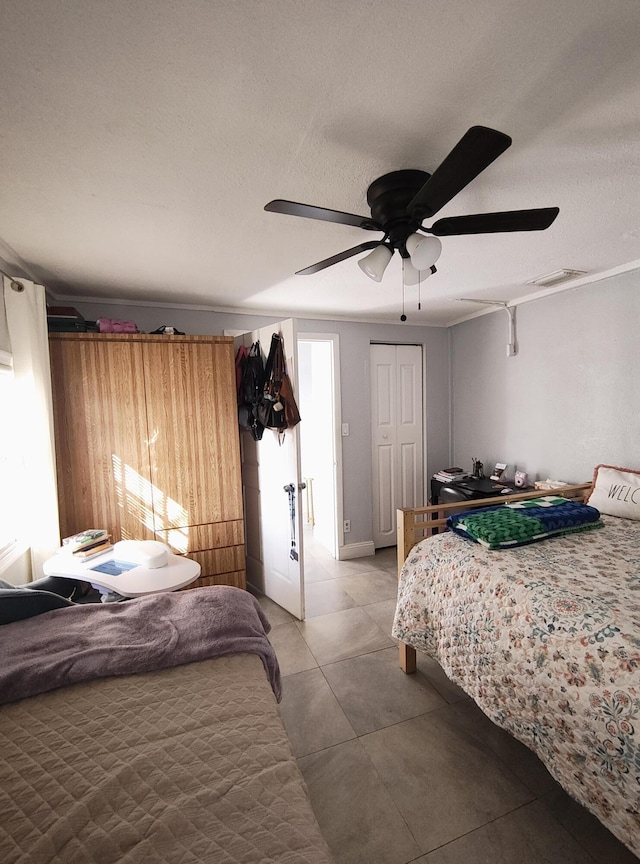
(320, 439)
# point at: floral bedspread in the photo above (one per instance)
(546, 639)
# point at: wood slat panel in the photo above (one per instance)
(217, 561)
(237, 580)
(194, 444)
(198, 537)
(101, 437)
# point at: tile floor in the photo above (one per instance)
(406, 768)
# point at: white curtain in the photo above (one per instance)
(26, 317)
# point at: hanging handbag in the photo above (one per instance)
(291, 411)
(251, 388)
(285, 389)
(241, 358)
(271, 408)
(271, 412)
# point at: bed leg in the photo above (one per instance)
(407, 658)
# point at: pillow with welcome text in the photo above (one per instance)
(616, 491)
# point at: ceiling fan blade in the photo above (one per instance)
(489, 223)
(292, 208)
(474, 152)
(341, 256)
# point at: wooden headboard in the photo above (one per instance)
(414, 524)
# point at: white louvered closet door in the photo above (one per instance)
(397, 439)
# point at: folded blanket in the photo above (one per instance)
(89, 641)
(522, 522)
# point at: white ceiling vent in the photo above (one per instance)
(556, 277)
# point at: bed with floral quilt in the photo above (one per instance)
(545, 638)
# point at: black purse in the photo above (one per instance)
(271, 411)
(252, 378)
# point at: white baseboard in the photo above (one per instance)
(356, 550)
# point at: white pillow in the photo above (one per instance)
(616, 491)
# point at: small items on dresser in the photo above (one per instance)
(65, 319)
(548, 485)
(498, 471)
(449, 475)
(115, 325)
(477, 468)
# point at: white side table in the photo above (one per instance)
(135, 582)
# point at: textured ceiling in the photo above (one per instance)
(141, 139)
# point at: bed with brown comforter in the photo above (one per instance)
(149, 732)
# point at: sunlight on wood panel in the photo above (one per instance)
(148, 504)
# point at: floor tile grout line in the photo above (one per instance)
(503, 762)
(384, 786)
(358, 738)
(577, 839)
(473, 830)
(375, 623)
(373, 731)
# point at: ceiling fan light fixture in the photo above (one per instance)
(376, 262)
(423, 251)
(411, 276)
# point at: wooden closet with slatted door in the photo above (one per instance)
(147, 444)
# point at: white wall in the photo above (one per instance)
(568, 400)
(355, 339)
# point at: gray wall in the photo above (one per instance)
(568, 400)
(355, 339)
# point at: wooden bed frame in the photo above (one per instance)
(417, 523)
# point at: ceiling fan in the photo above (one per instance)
(401, 200)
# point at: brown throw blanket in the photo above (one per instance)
(89, 641)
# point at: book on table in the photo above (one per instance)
(84, 539)
(94, 551)
(446, 475)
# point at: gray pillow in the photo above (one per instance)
(19, 603)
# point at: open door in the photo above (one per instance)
(272, 490)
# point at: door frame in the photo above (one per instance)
(338, 508)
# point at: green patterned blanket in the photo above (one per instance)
(522, 522)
